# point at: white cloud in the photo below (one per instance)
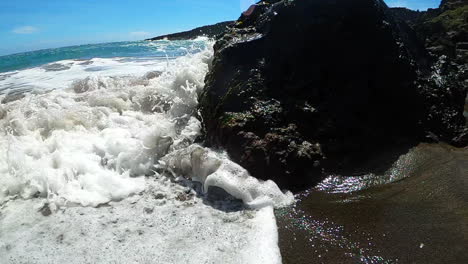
(140, 34)
(25, 30)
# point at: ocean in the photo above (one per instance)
(99, 162)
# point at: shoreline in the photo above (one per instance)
(419, 219)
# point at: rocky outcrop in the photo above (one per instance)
(407, 15)
(444, 30)
(299, 89)
(208, 31)
(452, 4)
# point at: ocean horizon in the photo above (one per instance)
(141, 48)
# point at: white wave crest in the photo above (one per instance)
(92, 143)
(95, 141)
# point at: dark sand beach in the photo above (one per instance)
(422, 218)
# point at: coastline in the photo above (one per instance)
(207, 139)
(419, 219)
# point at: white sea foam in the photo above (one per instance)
(214, 169)
(60, 75)
(154, 227)
(91, 143)
(111, 136)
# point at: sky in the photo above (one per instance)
(37, 24)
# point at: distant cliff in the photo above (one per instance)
(209, 31)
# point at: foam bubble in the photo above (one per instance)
(215, 169)
(94, 142)
(140, 229)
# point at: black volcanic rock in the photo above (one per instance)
(452, 4)
(302, 88)
(209, 31)
(407, 15)
(444, 33)
(444, 30)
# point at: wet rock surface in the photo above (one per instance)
(301, 89)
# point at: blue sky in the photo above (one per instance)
(414, 4)
(36, 24)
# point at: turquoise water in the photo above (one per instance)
(137, 49)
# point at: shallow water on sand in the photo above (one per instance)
(421, 216)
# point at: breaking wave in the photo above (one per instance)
(96, 140)
(98, 164)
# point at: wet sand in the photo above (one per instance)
(419, 216)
